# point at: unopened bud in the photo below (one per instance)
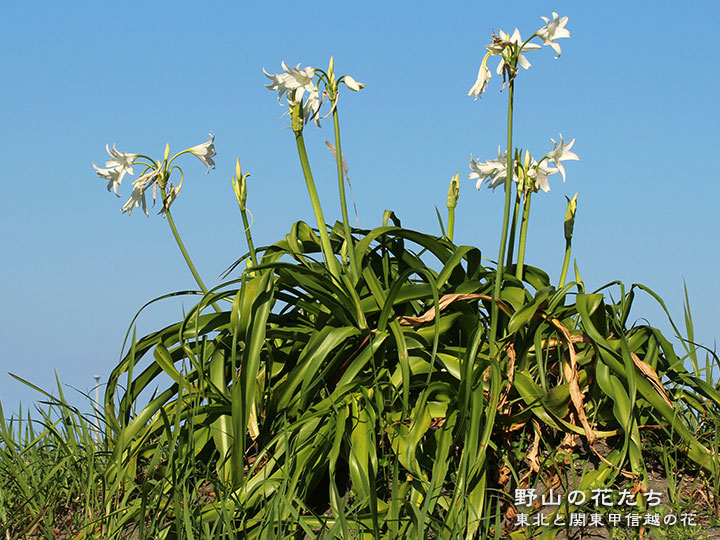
(331, 70)
(352, 84)
(453, 191)
(570, 217)
(239, 183)
(167, 151)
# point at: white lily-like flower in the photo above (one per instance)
(294, 83)
(480, 85)
(137, 197)
(205, 152)
(562, 152)
(553, 30)
(538, 173)
(493, 171)
(119, 164)
(352, 84)
(535, 174)
(120, 159)
(501, 43)
(115, 176)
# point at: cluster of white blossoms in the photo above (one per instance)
(121, 163)
(295, 83)
(506, 46)
(533, 173)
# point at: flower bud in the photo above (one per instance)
(453, 191)
(331, 71)
(239, 183)
(570, 217)
(352, 84)
(167, 152)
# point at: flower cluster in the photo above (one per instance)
(533, 174)
(294, 83)
(299, 87)
(154, 173)
(510, 48)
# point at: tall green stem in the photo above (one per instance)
(248, 236)
(451, 224)
(523, 237)
(185, 254)
(566, 263)
(494, 315)
(354, 270)
(513, 228)
(328, 254)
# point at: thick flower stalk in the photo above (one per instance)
(332, 90)
(511, 49)
(305, 99)
(294, 83)
(156, 174)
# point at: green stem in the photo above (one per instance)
(451, 224)
(248, 236)
(513, 228)
(566, 263)
(185, 254)
(494, 315)
(523, 237)
(354, 270)
(327, 251)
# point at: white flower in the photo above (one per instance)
(205, 152)
(538, 173)
(553, 30)
(481, 83)
(119, 164)
(352, 84)
(562, 152)
(493, 171)
(115, 175)
(120, 159)
(294, 83)
(535, 175)
(137, 197)
(503, 41)
(300, 80)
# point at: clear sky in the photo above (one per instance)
(636, 86)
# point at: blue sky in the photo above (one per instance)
(635, 85)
